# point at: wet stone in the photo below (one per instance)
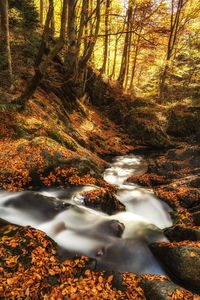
(158, 290)
(180, 233)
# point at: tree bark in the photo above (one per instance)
(134, 63)
(53, 25)
(5, 37)
(72, 51)
(83, 22)
(41, 11)
(115, 58)
(174, 28)
(123, 67)
(128, 62)
(92, 43)
(103, 69)
(41, 64)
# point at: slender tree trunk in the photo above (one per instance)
(83, 23)
(128, 61)
(103, 69)
(109, 60)
(115, 57)
(53, 25)
(5, 37)
(134, 63)
(86, 26)
(72, 52)
(41, 11)
(123, 67)
(116, 48)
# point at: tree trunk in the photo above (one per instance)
(41, 11)
(174, 28)
(115, 57)
(128, 61)
(103, 69)
(53, 25)
(72, 52)
(91, 45)
(41, 64)
(134, 63)
(118, 36)
(5, 38)
(86, 26)
(123, 67)
(162, 81)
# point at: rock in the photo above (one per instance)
(150, 134)
(138, 102)
(113, 228)
(117, 228)
(103, 200)
(84, 165)
(188, 198)
(181, 259)
(158, 289)
(182, 123)
(115, 112)
(194, 209)
(53, 159)
(181, 154)
(30, 201)
(179, 233)
(3, 222)
(195, 182)
(196, 218)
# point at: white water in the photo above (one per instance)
(81, 230)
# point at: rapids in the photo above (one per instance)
(119, 242)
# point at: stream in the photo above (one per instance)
(118, 242)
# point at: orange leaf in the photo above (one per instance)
(110, 278)
(192, 254)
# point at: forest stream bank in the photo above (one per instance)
(61, 141)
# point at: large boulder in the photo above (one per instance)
(102, 199)
(149, 133)
(160, 288)
(36, 163)
(30, 201)
(182, 122)
(180, 233)
(181, 259)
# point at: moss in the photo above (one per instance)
(20, 131)
(182, 125)
(56, 136)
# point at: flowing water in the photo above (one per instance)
(118, 242)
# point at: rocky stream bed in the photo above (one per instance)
(115, 260)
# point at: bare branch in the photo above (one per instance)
(122, 32)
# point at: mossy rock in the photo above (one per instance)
(56, 136)
(138, 103)
(150, 134)
(115, 112)
(183, 124)
(159, 289)
(103, 200)
(180, 233)
(181, 259)
(21, 132)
